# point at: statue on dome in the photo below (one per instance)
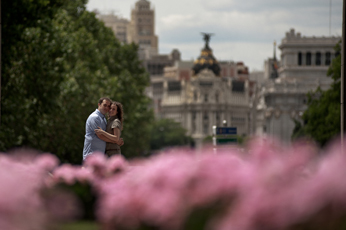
(206, 38)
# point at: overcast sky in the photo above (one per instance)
(244, 30)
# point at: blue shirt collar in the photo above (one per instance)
(99, 113)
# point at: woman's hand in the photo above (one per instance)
(120, 142)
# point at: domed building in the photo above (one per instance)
(208, 97)
(206, 60)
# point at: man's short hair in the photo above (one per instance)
(104, 98)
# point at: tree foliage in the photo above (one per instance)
(60, 59)
(168, 133)
(321, 121)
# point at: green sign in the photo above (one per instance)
(224, 141)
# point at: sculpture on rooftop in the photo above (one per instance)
(206, 60)
(206, 38)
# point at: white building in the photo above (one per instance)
(203, 97)
(303, 68)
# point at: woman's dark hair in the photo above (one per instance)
(120, 113)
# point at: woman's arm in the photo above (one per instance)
(103, 135)
(105, 138)
(116, 132)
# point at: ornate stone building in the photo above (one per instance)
(303, 68)
(183, 70)
(198, 96)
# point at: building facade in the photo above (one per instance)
(200, 95)
(303, 68)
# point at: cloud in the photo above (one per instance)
(269, 5)
(230, 27)
(176, 20)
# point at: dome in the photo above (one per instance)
(206, 60)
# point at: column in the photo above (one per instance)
(211, 115)
(323, 58)
(313, 58)
(199, 122)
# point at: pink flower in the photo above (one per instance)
(21, 204)
(98, 163)
(71, 174)
(46, 161)
(115, 164)
(65, 173)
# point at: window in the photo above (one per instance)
(174, 86)
(328, 58)
(205, 128)
(299, 58)
(193, 121)
(205, 97)
(193, 116)
(205, 123)
(216, 97)
(238, 86)
(206, 83)
(195, 96)
(157, 88)
(308, 58)
(318, 58)
(205, 117)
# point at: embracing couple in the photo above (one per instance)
(102, 135)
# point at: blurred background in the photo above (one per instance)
(268, 68)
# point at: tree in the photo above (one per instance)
(60, 59)
(321, 121)
(168, 133)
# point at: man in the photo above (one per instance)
(97, 119)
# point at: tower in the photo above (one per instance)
(141, 29)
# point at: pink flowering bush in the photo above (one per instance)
(26, 202)
(83, 181)
(266, 185)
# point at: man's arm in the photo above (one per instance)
(94, 123)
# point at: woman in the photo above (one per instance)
(113, 130)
